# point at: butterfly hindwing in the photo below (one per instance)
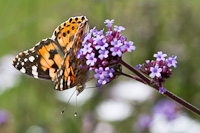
(42, 61)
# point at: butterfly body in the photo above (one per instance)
(54, 58)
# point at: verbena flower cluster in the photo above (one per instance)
(102, 52)
(165, 108)
(159, 69)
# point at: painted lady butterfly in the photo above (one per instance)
(54, 58)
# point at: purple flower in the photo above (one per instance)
(103, 54)
(105, 63)
(116, 51)
(116, 42)
(3, 117)
(98, 33)
(147, 61)
(87, 49)
(93, 30)
(98, 38)
(103, 81)
(138, 66)
(109, 33)
(158, 69)
(91, 59)
(122, 38)
(160, 56)
(128, 46)
(87, 37)
(101, 44)
(104, 76)
(155, 71)
(162, 90)
(110, 72)
(166, 108)
(172, 61)
(119, 28)
(109, 22)
(99, 73)
(144, 122)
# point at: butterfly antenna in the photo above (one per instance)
(63, 110)
(75, 114)
(90, 87)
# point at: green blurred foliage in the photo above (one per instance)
(172, 26)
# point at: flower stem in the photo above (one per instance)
(136, 72)
(130, 76)
(167, 93)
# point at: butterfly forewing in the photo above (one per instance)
(65, 33)
(69, 72)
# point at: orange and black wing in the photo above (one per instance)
(65, 33)
(42, 61)
(69, 73)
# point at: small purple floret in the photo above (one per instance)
(101, 44)
(172, 61)
(90, 59)
(103, 54)
(162, 90)
(109, 22)
(128, 46)
(147, 61)
(119, 28)
(116, 43)
(138, 66)
(155, 71)
(87, 49)
(116, 51)
(87, 37)
(160, 56)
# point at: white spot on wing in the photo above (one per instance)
(61, 83)
(34, 72)
(26, 52)
(56, 87)
(34, 68)
(53, 37)
(23, 70)
(31, 58)
(68, 82)
(32, 49)
(25, 60)
(61, 72)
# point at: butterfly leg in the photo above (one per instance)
(80, 87)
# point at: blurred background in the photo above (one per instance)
(29, 105)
